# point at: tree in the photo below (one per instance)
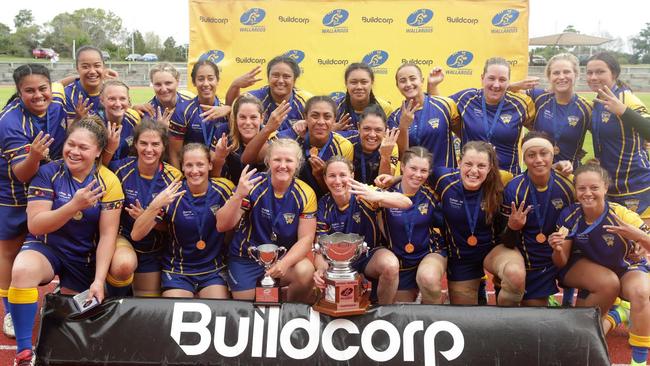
(138, 43)
(570, 28)
(24, 18)
(641, 45)
(5, 39)
(152, 43)
(169, 50)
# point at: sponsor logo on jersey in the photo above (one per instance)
(214, 56)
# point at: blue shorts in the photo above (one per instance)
(191, 283)
(639, 203)
(409, 269)
(14, 222)
(243, 273)
(361, 263)
(74, 273)
(468, 267)
(541, 282)
(150, 261)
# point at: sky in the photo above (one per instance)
(171, 17)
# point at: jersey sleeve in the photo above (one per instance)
(225, 187)
(393, 119)
(628, 216)
(322, 226)
(178, 126)
(634, 103)
(508, 198)
(309, 201)
(41, 187)
(452, 108)
(15, 142)
(347, 149)
(113, 195)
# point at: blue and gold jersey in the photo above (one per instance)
(504, 133)
(607, 249)
(143, 189)
(620, 148)
(565, 124)
(297, 102)
(78, 238)
(129, 121)
(454, 198)
(358, 216)
(177, 122)
(355, 116)
(197, 247)
(560, 195)
(336, 145)
(411, 233)
(431, 128)
(72, 94)
(194, 129)
(18, 128)
(366, 166)
(265, 213)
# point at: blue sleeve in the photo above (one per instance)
(41, 187)
(393, 119)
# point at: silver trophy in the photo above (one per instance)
(266, 255)
(345, 291)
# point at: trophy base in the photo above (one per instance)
(266, 296)
(344, 298)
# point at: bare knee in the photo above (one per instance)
(514, 277)
(389, 268)
(429, 280)
(303, 273)
(123, 264)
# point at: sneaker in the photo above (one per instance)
(552, 302)
(25, 358)
(624, 306)
(8, 326)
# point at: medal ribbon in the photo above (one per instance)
(489, 127)
(558, 126)
(146, 199)
(541, 217)
(199, 210)
(322, 151)
(472, 218)
(352, 205)
(416, 125)
(207, 136)
(591, 227)
(276, 220)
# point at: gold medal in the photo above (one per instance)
(313, 151)
(78, 216)
(200, 245)
(409, 248)
(556, 150)
(541, 238)
(472, 240)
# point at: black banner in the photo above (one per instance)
(137, 331)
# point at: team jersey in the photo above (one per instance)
(358, 216)
(18, 128)
(129, 121)
(458, 205)
(566, 124)
(411, 233)
(557, 195)
(143, 189)
(192, 128)
(197, 247)
(335, 145)
(297, 101)
(265, 214)
(516, 111)
(176, 122)
(72, 94)
(78, 238)
(594, 242)
(366, 166)
(355, 116)
(233, 166)
(620, 148)
(431, 128)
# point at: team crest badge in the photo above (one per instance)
(356, 217)
(609, 239)
(434, 122)
(573, 120)
(632, 204)
(288, 218)
(557, 203)
(506, 118)
(129, 140)
(604, 116)
(423, 208)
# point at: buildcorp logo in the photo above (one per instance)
(250, 335)
(419, 21)
(251, 19)
(458, 61)
(296, 55)
(214, 56)
(375, 59)
(334, 21)
(503, 20)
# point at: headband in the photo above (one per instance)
(536, 142)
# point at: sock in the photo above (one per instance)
(639, 355)
(567, 296)
(117, 288)
(24, 304)
(618, 314)
(5, 300)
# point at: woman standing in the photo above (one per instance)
(120, 120)
(193, 263)
(351, 207)
(273, 207)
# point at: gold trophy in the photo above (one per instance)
(346, 291)
(267, 291)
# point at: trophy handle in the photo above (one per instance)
(281, 252)
(251, 250)
(364, 249)
(316, 248)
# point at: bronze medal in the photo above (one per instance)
(409, 248)
(541, 238)
(200, 245)
(78, 216)
(472, 240)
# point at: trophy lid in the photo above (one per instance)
(338, 237)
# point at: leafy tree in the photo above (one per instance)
(641, 45)
(152, 43)
(570, 28)
(24, 18)
(5, 39)
(169, 50)
(138, 43)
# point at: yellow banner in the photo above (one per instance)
(326, 36)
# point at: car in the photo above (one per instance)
(537, 60)
(106, 56)
(44, 53)
(133, 57)
(149, 57)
